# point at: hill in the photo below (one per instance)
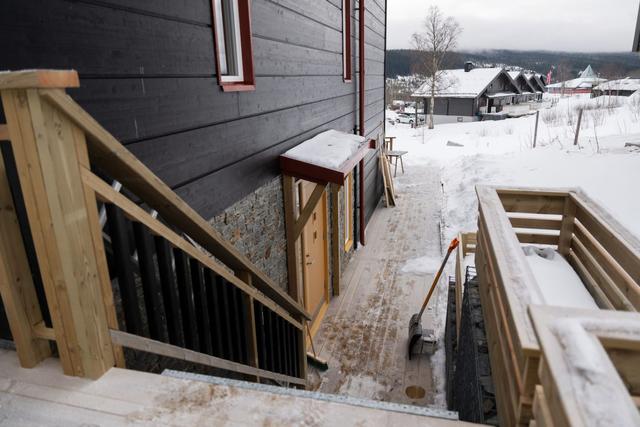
(401, 62)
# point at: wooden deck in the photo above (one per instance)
(364, 334)
(43, 396)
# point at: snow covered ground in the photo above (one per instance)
(501, 153)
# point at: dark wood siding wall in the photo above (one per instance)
(147, 72)
(375, 46)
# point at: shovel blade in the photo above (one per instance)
(415, 332)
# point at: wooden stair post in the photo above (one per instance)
(50, 153)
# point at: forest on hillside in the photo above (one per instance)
(402, 62)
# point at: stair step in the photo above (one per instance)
(334, 398)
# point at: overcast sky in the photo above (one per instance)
(568, 25)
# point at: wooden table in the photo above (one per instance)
(388, 142)
(394, 156)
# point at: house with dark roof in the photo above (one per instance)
(469, 94)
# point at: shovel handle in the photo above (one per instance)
(454, 244)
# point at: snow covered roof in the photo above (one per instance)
(327, 157)
(329, 149)
(461, 84)
(627, 84)
(579, 83)
(588, 79)
(588, 73)
(514, 74)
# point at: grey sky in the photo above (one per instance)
(568, 25)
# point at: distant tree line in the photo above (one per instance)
(404, 62)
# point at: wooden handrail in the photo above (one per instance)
(107, 194)
(32, 79)
(209, 304)
(603, 253)
(156, 347)
(114, 158)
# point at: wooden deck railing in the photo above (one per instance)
(204, 302)
(468, 242)
(603, 253)
(589, 371)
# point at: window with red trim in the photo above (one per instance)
(346, 40)
(232, 37)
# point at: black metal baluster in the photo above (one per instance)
(187, 303)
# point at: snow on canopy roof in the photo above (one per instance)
(627, 84)
(461, 84)
(329, 149)
(514, 74)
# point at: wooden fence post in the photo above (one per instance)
(535, 134)
(16, 285)
(62, 218)
(575, 141)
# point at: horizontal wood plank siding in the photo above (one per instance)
(148, 75)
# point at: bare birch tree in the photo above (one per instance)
(435, 43)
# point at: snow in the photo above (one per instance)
(422, 266)
(329, 149)
(603, 396)
(558, 282)
(624, 84)
(501, 153)
(461, 84)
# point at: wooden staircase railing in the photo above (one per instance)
(205, 304)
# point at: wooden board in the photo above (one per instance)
(45, 397)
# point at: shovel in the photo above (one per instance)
(415, 325)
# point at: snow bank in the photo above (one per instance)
(558, 282)
(422, 265)
(500, 153)
(329, 149)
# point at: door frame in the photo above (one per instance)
(318, 314)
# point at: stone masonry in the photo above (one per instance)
(255, 225)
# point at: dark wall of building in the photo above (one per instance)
(454, 106)
(375, 46)
(147, 72)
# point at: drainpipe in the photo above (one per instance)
(361, 10)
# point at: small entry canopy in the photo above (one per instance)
(326, 158)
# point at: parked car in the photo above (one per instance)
(409, 118)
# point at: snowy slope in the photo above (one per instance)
(501, 153)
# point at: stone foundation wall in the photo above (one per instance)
(255, 226)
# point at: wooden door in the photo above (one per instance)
(314, 258)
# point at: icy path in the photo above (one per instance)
(364, 334)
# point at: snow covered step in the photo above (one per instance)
(279, 401)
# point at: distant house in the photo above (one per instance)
(584, 84)
(538, 84)
(623, 87)
(469, 94)
(528, 92)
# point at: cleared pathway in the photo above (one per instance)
(364, 334)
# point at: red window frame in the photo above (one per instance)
(346, 41)
(248, 82)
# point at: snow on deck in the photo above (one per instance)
(558, 282)
(329, 149)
